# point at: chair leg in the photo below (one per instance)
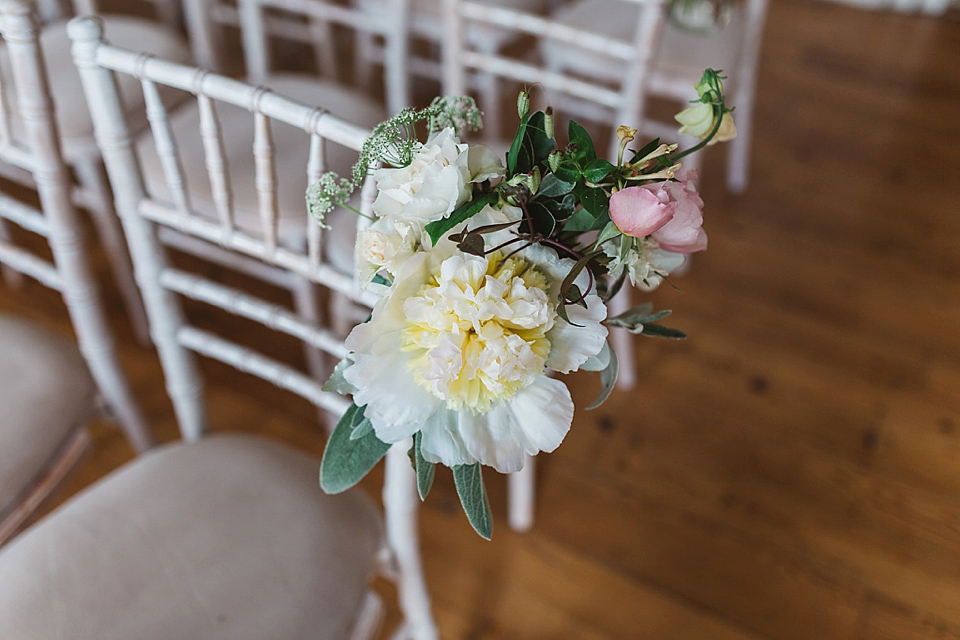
(622, 341)
(521, 495)
(12, 277)
(738, 155)
(306, 305)
(93, 181)
(400, 505)
(324, 48)
(489, 86)
(363, 58)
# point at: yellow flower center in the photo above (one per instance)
(478, 330)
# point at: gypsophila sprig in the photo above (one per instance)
(495, 277)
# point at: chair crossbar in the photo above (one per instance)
(24, 215)
(224, 89)
(545, 28)
(242, 243)
(532, 74)
(12, 153)
(330, 13)
(254, 363)
(31, 265)
(253, 308)
(285, 29)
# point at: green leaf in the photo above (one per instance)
(437, 228)
(514, 153)
(568, 171)
(597, 169)
(543, 220)
(659, 331)
(473, 497)
(360, 430)
(337, 383)
(425, 470)
(608, 379)
(578, 136)
(596, 201)
(581, 220)
(552, 186)
(345, 462)
(537, 144)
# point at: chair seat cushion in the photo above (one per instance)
(72, 115)
(227, 538)
(680, 54)
(46, 393)
(291, 149)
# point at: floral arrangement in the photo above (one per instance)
(494, 277)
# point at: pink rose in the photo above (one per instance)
(639, 211)
(671, 212)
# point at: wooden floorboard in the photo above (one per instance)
(792, 471)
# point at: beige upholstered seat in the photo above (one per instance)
(46, 394)
(72, 115)
(291, 157)
(227, 538)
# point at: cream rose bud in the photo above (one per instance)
(698, 121)
(384, 245)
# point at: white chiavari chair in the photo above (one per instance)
(624, 97)
(48, 390)
(680, 60)
(219, 536)
(162, 37)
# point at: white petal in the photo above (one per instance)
(536, 419)
(442, 442)
(570, 345)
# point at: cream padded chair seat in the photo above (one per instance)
(141, 554)
(680, 53)
(73, 118)
(46, 393)
(291, 148)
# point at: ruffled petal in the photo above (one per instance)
(442, 442)
(536, 419)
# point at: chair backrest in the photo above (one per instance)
(56, 220)
(626, 99)
(161, 283)
(391, 24)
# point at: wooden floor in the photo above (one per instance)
(790, 472)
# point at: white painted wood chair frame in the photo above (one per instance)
(70, 272)
(177, 341)
(391, 25)
(627, 104)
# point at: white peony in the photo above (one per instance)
(438, 180)
(460, 349)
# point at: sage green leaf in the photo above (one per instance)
(598, 362)
(437, 228)
(361, 429)
(597, 169)
(425, 470)
(551, 186)
(345, 462)
(608, 380)
(469, 481)
(659, 331)
(337, 383)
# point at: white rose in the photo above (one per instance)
(384, 245)
(437, 181)
(698, 121)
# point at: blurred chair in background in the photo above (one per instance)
(91, 191)
(680, 59)
(626, 99)
(47, 389)
(226, 536)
